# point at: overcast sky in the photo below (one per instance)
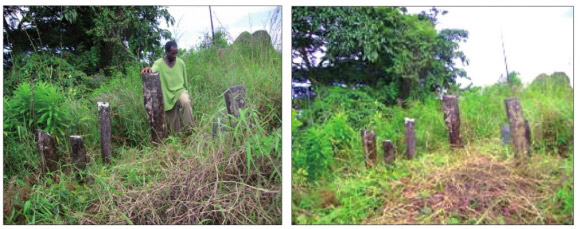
(195, 21)
(537, 40)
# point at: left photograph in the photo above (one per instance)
(142, 115)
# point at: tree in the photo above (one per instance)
(89, 37)
(397, 54)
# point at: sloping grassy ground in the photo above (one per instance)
(234, 178)
(479, 184)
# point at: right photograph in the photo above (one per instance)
(432, 115)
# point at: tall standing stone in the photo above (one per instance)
(105, 130)
(519, 129)
(235, 100)
(79, 153)
(46, 146)
(452, 120)
(369, 140)
(389, 152)
(410, 137)
(154, 106)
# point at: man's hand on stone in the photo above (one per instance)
(146, 70)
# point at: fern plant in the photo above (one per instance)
(50, 113)
(40, 106)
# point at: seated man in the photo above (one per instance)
(172, 74)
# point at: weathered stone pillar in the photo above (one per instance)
(46, 146)
(389, 152)
(369, 140)
(105, 130)
(235, 100)
(520, 131)
(79, 153)
(154, 106)
(452, 120)
(410, 137)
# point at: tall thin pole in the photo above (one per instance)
(211, 21)
(507, 74)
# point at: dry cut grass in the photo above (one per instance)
(215, 189)
(478, 189)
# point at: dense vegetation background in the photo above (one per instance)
(398, 55)
(380, 65)
(60, 61)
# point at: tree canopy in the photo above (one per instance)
(398, 54)
(88, 37)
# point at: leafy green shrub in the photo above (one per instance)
(565, 194)
(339, 131)
(48, 104)
(295, 122)
(385, 92)
(43, 110)
(514, 81)
(356, 103)
(313, 153)
(48, 68)
(84, 61)
(219, 40)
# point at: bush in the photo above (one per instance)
(48, 68)
(40, 107)
(313, 154)
(357, 104)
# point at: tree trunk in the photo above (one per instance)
(452, 120)
(519, 130)
(410, 137)
(389, 152)
(78, 153)
(369, 140)
(46, 146)
(154, 106)
(235, 100)
(105, 129)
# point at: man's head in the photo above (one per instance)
(171, 50)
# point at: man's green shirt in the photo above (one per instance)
(173, 80)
